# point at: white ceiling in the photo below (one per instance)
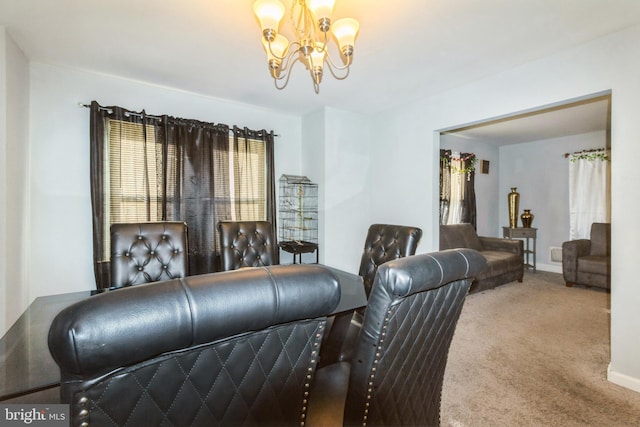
(406, 49)
(571, 118)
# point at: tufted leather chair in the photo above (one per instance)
(220, 349)
(148, 252)
(386, 242)
(395, 377)
(246, 244)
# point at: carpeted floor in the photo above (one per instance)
(534, 354)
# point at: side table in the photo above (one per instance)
(297, 248)
(529, 235)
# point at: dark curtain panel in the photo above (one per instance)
(243, 138)
(102, 151)
(445, 184)
(469, 201)
(97, 159)
(182, 172)
(196, 189)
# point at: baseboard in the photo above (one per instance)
(623, 380)
(549, 267)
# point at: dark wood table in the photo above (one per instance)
(26, 366)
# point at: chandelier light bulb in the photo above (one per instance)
(269, 13)
(345, 31)
(276, 51)
(322, 10)
(317, 62)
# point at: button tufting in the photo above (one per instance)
(139, 268)
(83, 400)
(139, 237)
(83, 413)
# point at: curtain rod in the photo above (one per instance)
(565, 155)
(82, 104)
(130, 113)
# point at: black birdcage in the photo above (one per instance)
(298, 227)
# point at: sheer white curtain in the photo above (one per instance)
(589, 191)
(457, 192)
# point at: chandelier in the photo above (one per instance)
(311, 24)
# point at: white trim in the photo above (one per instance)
(549, 267)
(623, 380)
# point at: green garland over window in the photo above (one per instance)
(591, 155)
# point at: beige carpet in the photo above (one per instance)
(534, 354)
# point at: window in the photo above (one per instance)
(148, 168)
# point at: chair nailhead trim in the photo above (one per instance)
(373, 368)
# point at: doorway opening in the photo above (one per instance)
(526, 150)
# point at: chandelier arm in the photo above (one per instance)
(339, 67)
(288, 64)
(333, 72)
(286, 75)
(316, 85)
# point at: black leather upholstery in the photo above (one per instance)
(246, 244)
(395, 377)
(386, 242)
(588, 261)
(231, 348)
(148, 252)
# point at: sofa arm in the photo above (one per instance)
(514, 246)
(571, 251)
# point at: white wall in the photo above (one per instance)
(14, 134)
(4, 319)
(541, 174)
(609, 63)
(336, 154)
(59, 250)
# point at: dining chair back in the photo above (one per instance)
(247, 244)
(386, 242)
(148, 252)
(235, 348)
(396, 374)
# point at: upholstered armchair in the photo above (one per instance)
(221, 349)
(396, 374)
(588, 261)
(148, 252)
(247, 244)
